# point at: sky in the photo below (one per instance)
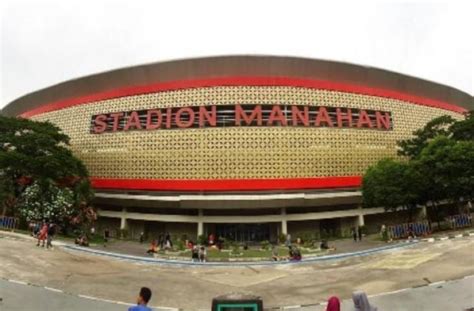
(50, 41)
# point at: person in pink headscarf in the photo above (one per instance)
(333, 304)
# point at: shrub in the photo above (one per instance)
(224, 242)
(309, 244)
(122, 233)
(235, 249)
(180, 245)
(202, 239)
(282, 238)
(265, 245)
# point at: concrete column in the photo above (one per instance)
(424, 212)
(200, 230)
(284, 229)
(123, 219)
(360, 220)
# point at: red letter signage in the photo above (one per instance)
(241, 115)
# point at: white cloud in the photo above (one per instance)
(47, 42)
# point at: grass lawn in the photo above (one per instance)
(250, 253)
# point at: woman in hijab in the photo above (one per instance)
(333, 304)
(361, 302)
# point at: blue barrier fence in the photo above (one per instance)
(8, 222)
(459, 221)
(421, 228)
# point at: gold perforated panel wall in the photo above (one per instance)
(238, 152)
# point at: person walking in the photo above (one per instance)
(51, 233)
(106, 236)
(354, 234)
(43, 234)
(142, 300)
(36, 229)
(361, 302)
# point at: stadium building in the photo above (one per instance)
(246, 147)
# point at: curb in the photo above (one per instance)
(448, 237)
(309, 259)
(149, 260)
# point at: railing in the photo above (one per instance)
(8, 222)
(459, 221)
(421, 228)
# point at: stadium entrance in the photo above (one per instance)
(244, 232)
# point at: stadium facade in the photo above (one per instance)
(247, 147)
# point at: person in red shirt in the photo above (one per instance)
(211, 239)
(42, 235)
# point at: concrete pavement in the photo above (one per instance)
(451, 295)
(192, 288)
(18, 297)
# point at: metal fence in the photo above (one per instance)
(420, 228)
(459, 221)
(8, 222)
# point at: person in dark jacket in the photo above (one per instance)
(51, 233)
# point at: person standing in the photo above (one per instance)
(142, 300)
(168, 242)
(161, 241)
(51, 233)
(92, 231)
(43, 234)
(106, 236)
(354, 234)
(210, 240)
(288, 240)
(202, 254)
(359, 231)
(195, 254)
(142, 237)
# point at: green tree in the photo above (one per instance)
(440, 168)
(36, 154)
(464, 129)
(393, 185)
(412, 147)
(447, 167)
(46, 201)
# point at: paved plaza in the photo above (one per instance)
(192, 288)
